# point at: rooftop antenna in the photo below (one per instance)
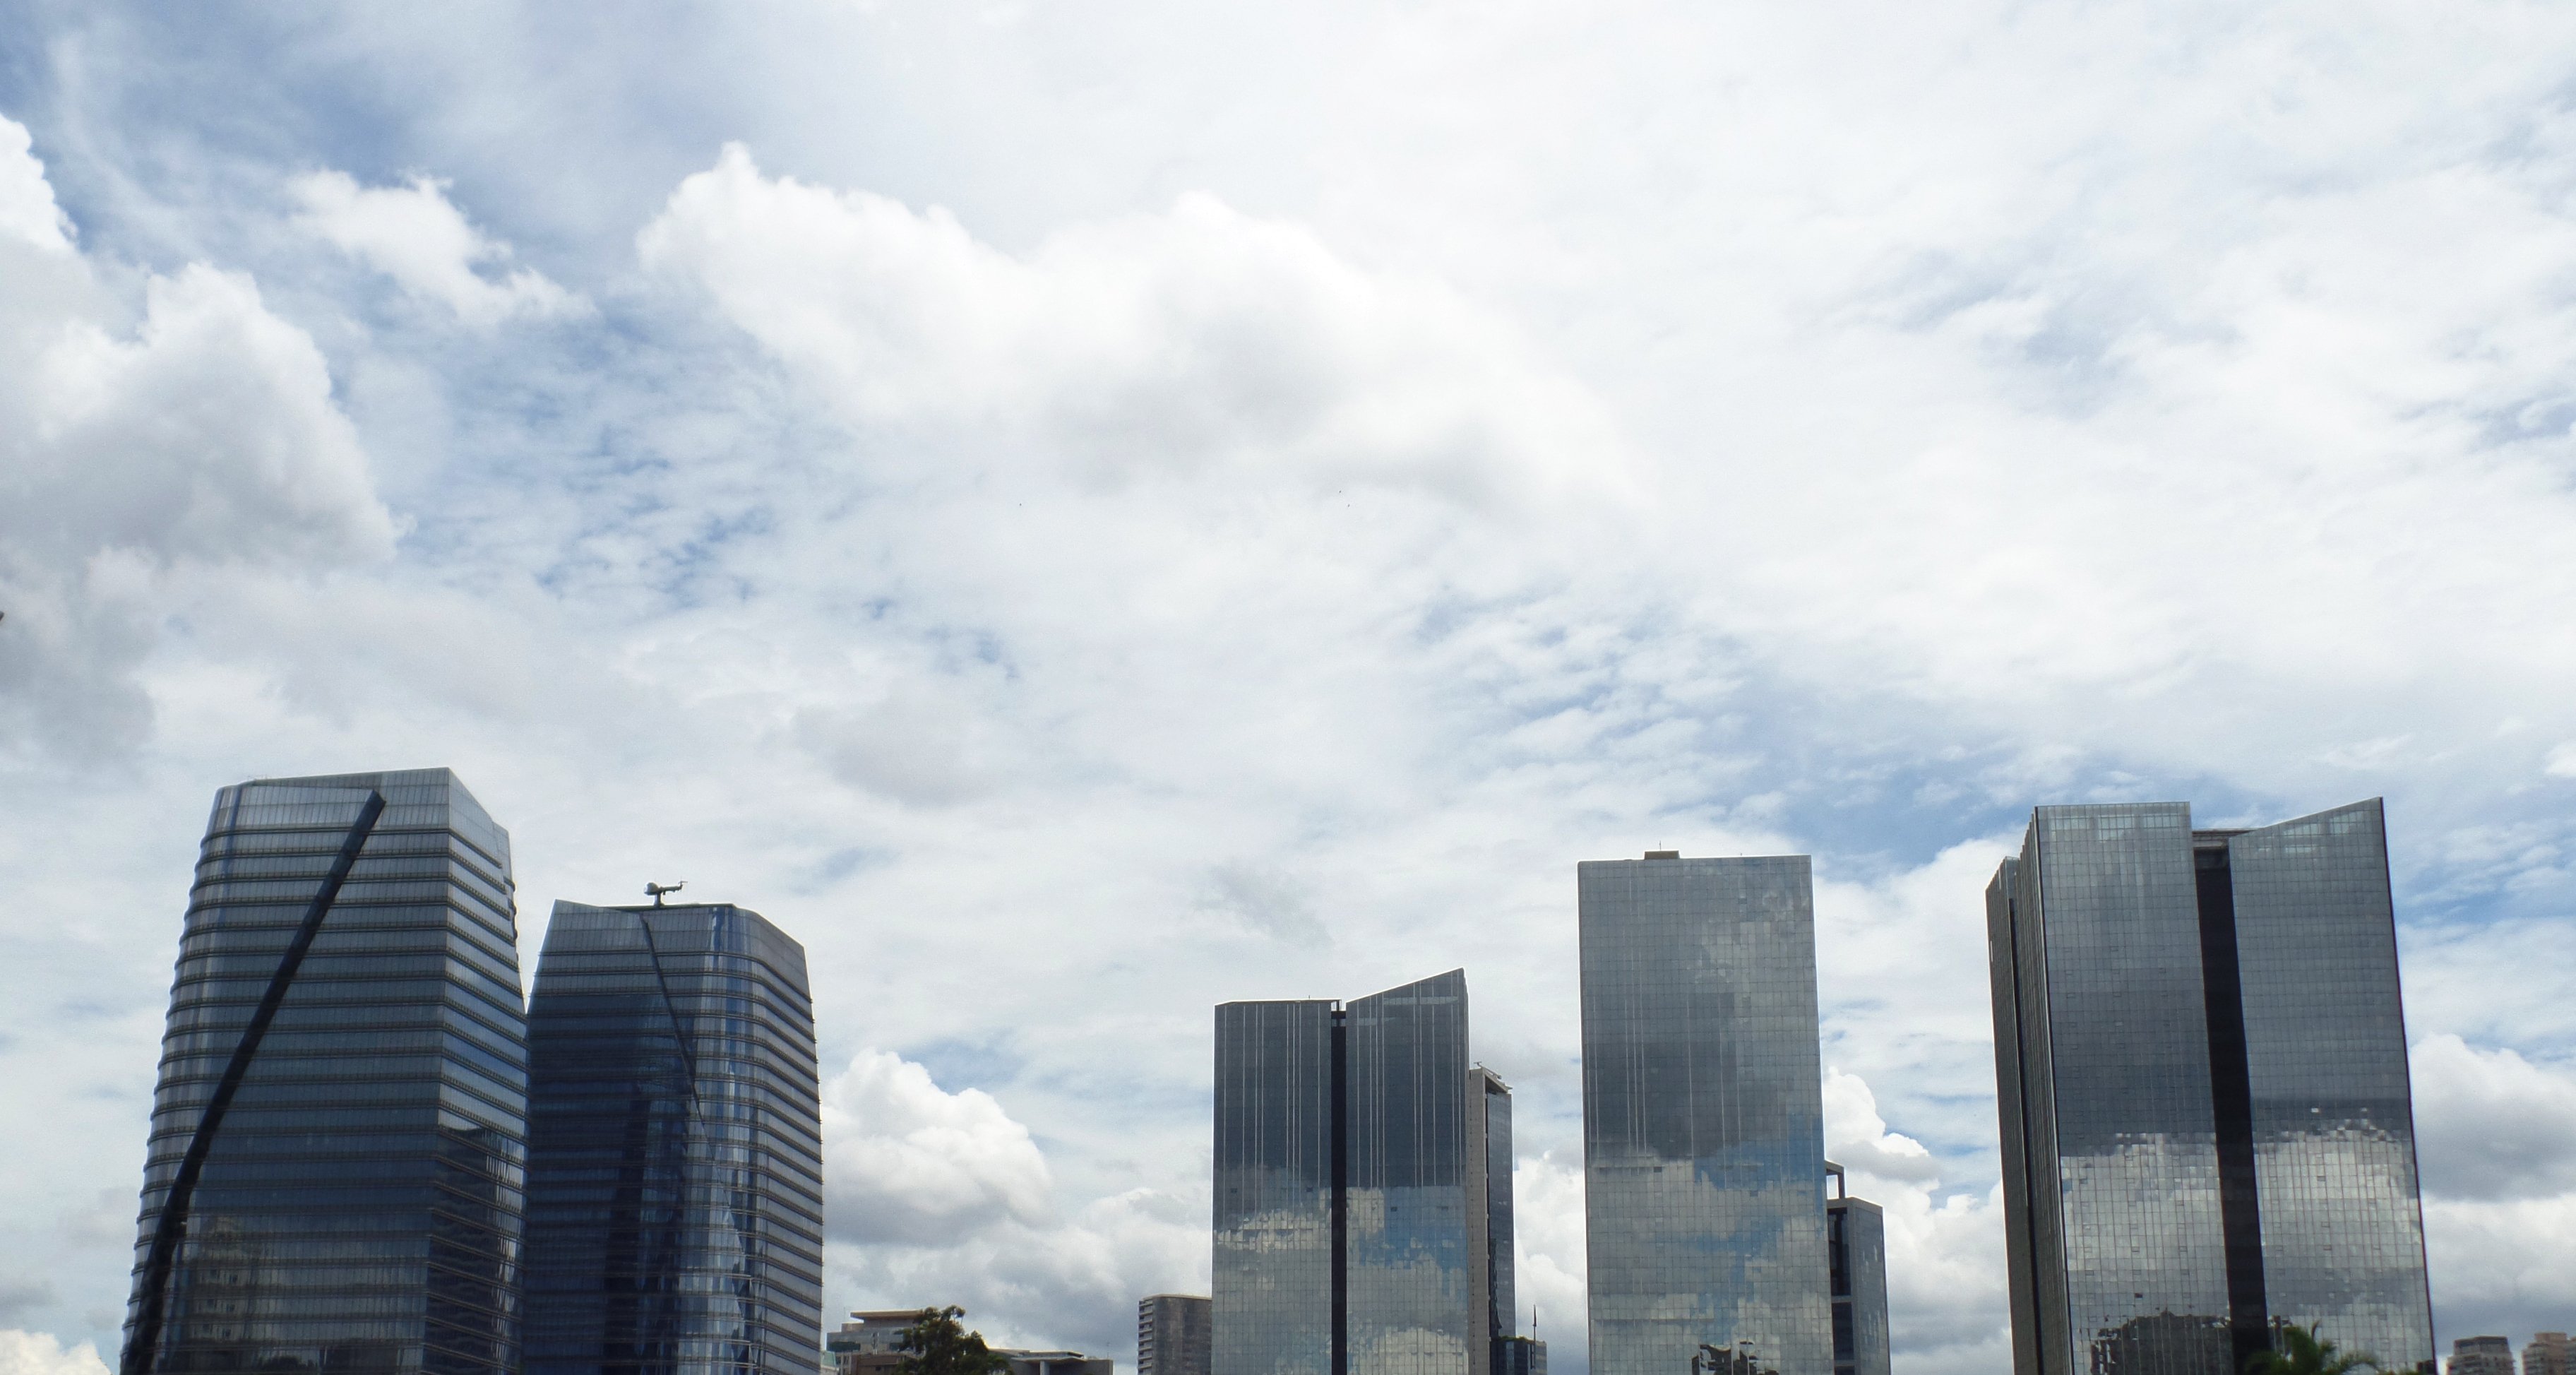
(656, 890)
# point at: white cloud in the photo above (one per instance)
(1945, 1258)
(2492, 1125)
(1548, 1251)
(938, 1198)
(1201, 340)
(143, 467)
(415, 235)
(1858, 1138)
(912, 745)
(905, 1161)
(2562, 761)
(39, 1353)
(1266, 900)
(27, 209)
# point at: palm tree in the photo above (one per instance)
(2300, 1351)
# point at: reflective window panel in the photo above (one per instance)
(2201, 1072)
(337, 1156)
(675, 1209)
(1703, 1116)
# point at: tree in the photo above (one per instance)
(2300, 1351)
(936, 1343)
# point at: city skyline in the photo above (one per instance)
(2279, 884)
(1088, 510)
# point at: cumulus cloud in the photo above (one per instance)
(415, 235)
(142, 465)
(2491, 1125)
(27, 208)
(1945, 1260)
(936, 1198)
(38, 1353)
(907, 1162)
(1548, 1250)
(1070, 1283)
(1195, 341)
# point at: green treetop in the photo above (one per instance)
(936, 1343)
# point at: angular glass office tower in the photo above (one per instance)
(2200, 1062)
(337, 1153)
(675, 1172)
(1703, 1115)
(1489, 1240)
(1352, 1191)
(1857, 1236)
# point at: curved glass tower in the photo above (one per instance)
(337, 1152)
(675, 1209)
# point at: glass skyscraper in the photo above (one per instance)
(337, 1153)
(675, 1208)
(1353, 1187)
(1703, 1115)
(1857, 1235)
(2201, 1069)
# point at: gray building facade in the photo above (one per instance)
(2201, 1072)
(333, 1183)
(1172, 1335)
(1856, 1237)
(1352, 1188)
(1703, 1115)
(675, 1181)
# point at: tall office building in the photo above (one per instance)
(2481, 1356)
(675, 1190)
(1856, 1245)
(2547, 1355)
(333, 1181)
(1353, 1187)
(1703, 1115)
(2201, 1068)
(1489, 1241)
(1172, 1335)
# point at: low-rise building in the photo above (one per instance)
(1173, 1335)
(1056, 1362)
(868, 1343)
(2482, 1356)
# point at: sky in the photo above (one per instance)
(1080, 510)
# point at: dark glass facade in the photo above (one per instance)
(1278, 1283)
(1352, 1159)
(1413, 1308)
(1489, 1229)
(1857, 1250)
(1703, 1115)
(2201, 1070)
(1172, 1335)
(337, 1155)
(675, 1210)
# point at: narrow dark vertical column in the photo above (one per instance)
(2232, 1096)
(1341, 1195)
